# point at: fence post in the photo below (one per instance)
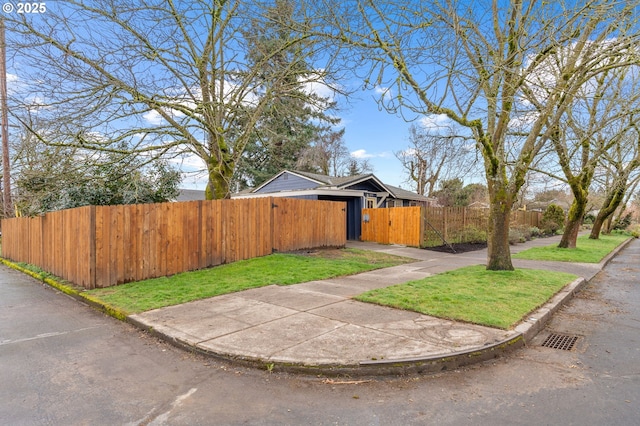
(422, 227)
(464, 217)
(444, 223)
(272, 224)
(43, 245)
(92, 247)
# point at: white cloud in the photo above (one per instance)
(189, 163)
(153, 117)
(319, 88)
(384, 92)
(436, 121)
(362, 154)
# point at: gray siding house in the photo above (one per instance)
(361, 191)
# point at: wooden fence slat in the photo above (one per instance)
(100, 246)
(429, 226)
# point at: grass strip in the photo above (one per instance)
(586, 251)
(280, 269)
(472, 294)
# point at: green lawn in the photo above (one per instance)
(473, 294)
(586, 251)
(281, 269)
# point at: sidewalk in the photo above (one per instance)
(316, 328)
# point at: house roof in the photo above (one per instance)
(322, 180)
(190, 195)
(342, 182)
(338, 181)
(406, 195)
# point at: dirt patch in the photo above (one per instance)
(459, 247)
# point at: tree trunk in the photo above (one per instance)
(220, 166)
(570, 235)
(597, 227)
(574, 220)
(498, 251)
(609, 207)
(609, 225)
(220, 175)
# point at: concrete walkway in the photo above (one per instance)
(317, 328)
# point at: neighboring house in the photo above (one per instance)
(479, 205)
(541, 206)
(361, 191)
(190, 195)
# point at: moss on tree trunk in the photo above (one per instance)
(498, 251)
(220, 175)
(572, 226)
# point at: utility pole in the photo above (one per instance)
(6, 168)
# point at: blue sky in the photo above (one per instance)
(370, 133)
(376, 135)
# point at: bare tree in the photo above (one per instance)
(477, 63)
(623, 166)
(597, 129)
(329, 155)
(165, 77)
(432, 157)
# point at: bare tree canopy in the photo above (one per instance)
(481, 64)
(328, 155)
(620, 167)
(164, 77)
(433, 157)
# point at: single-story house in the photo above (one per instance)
(361, 191)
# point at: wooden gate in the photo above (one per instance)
(395, 225)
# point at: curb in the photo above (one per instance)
(70, 291)
(539, 318)
(526, 331)
(367, 368)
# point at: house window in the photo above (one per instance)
(370, 203)
(394, 203)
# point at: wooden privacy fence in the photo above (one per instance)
(101, 246)
(453, 224)
(429, 226)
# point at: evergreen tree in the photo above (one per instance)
(295, 115)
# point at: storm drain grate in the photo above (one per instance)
(560, 341)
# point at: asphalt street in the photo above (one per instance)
(62, 362)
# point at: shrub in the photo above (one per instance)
(552, 219)
(521, 232)
(622, 222)
(516, 236)
(535, 232)
(635, 230)
(471, 234)
(589, 219)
